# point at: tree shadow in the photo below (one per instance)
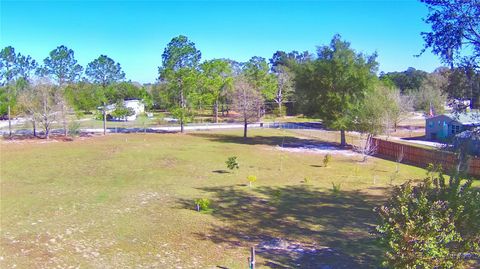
(221, 171)
(317, 227)
(128, 130)
(286, 141)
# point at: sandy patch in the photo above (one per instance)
(317, 149)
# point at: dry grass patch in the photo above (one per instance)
(127, 201)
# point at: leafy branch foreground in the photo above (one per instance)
(433, 224)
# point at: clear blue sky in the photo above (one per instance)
(134, 33)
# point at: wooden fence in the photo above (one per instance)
(422, 157)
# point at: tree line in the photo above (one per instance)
(337, 84)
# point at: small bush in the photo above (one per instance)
(326, 160)
(336, 189)
(306, 180)
(232, 163)
(203, 204)
(74, 129)
(393, 177)
(276, 196)
(98, 115)
(251, 179)
(280, 112)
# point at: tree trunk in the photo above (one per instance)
(215, 110)
(183, 105)
(245, 125)
(64, 120)
(343, 142)
(47, 132)
(9, 122)
(474, 102)
(104, 119)
(34, 125)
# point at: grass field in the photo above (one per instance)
(126, 201)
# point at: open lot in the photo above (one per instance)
(127, 201)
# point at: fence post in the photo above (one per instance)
(252, 258)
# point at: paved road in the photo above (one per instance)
(192, 127)
(4, 123)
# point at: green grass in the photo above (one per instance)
(127, 201)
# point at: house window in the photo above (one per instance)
(455, 129)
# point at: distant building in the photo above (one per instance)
(136, 105)
(442, 127)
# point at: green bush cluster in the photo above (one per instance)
(336, 188)
(432, 224)
(232, 163)
(203, 204)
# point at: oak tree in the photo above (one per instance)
(333, 85)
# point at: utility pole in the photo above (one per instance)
(9, 123)
(104, 119)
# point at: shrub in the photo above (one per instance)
(98, 115)
(327, 159)
(433, 224)
(336, 189)
(202, 204)
(232, 163)
(74, 128)
(393, 177)
(280, 112)
(251, 179)
(277, 194)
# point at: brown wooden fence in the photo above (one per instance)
(422, 157)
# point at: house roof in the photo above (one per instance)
(470, 134)
(467, 118)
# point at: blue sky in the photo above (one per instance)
(134, 33)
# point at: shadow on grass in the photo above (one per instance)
(328, 230)
(273, 140)
(221, 171)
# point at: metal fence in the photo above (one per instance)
(25, 127)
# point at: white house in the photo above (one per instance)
(136, 105)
